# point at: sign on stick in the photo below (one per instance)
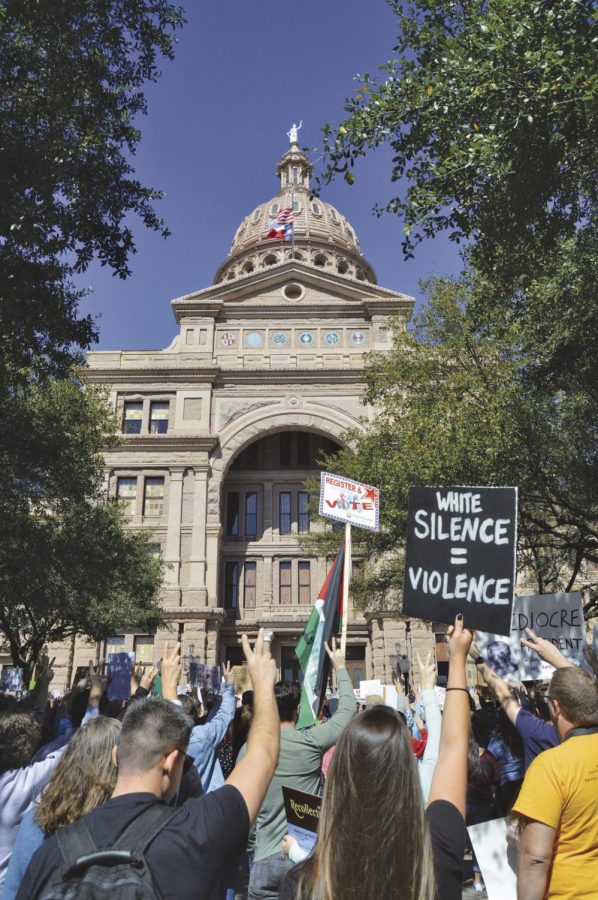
(303, 816)
(349, 501)
(461, 554)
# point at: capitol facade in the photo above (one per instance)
(222, 429)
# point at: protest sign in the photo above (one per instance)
(303, 816)
(197, 672)
(120, 667)
(390, 696)
(373, 686)
(349, 501)
(497, 858)
(11, 679)
(556, 617)
(460, 555)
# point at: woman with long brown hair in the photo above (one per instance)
(83, 779)
(375, 841)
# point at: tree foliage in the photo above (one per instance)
(68, 565)
(454, 406)
(71, 78)
(490, 110)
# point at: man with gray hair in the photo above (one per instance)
(189, 853)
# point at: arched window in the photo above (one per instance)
(274, 209)
(342, 267)
(270, 260)
(316, 209)
(248, 267)
(320, 261)
(257, 215)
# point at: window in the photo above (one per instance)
(289, 665)
(303, 448)
(257, 215)
(153, 497)
(155, 550)
(159, 417)
(316, 209)
(231, 585)
(284, 512)
(132, 416)
(144, 650)
(232, 514)
(304, 582)
(294, 174)
(320, 261)
(274, 209)
(284, 587)
(126, 492)
(249, 585)
(251, 514)
(296, 206)
(115, 644)
(285, 448)
(302, 511)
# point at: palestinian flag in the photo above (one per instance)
(323, 623)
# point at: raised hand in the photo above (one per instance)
(261, 666)
(545, 650)
(172, 668)
(229, 675)
(427, 671)
(459, 639)
(336, 656)
(147, 679)
(97, 681)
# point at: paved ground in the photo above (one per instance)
(469, 893)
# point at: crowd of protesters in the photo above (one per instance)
(163, 798)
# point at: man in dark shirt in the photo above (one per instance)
(188, 856)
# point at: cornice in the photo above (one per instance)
(163, 442)
(206, 613)
(302, 310)
(290, 376)
(176, 374)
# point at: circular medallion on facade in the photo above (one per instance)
(228, 338)
(358, 338)
(332, 338)
(279, 338)
(306, 338)
(254, 339)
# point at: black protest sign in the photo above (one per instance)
(460, 556)
(303, 816)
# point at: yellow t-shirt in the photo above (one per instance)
(561, 790)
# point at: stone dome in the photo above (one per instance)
(323, 236)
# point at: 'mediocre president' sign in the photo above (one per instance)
(460, 555)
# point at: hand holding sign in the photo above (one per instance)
(545, 650)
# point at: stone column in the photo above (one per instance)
(268, 510)
(213, 532)
(172, 554)
(197, 578)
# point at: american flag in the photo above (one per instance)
(282, 226)
(286, 216)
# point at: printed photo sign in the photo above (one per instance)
(303, 816)
(120, 668)
(461, 555)
(349, 501)
(11, 679)
(556, 617)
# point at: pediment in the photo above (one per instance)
(292, 286)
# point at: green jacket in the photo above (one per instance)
(299, 766)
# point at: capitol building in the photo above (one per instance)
(223, 427)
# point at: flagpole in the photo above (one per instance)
(346, 579)
(293, 232)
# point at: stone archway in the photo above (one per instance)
(272, 418)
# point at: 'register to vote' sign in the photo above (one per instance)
(461, 555)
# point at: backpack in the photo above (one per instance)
(118, 873)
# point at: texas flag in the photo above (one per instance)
(282, 226)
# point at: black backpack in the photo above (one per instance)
(119, 872)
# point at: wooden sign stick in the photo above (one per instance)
(346, 580)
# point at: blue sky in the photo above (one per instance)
(244, 71)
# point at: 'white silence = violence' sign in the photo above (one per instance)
(460, 555)
(349, 501)
(556, 617)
